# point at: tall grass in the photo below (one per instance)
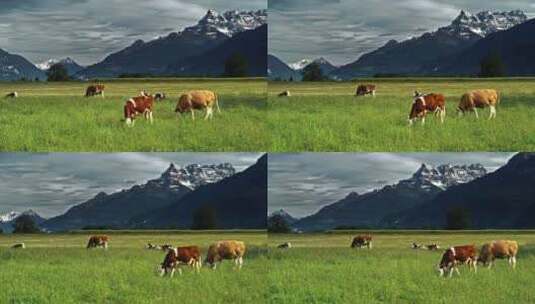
(327, 117)
(58, 269)
(56, 117)
(323, 269)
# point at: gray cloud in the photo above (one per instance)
(88, 30)
(303, 183)
(50, 183)
(343, 30)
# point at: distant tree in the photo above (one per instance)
(36, 79)
(313, 72)
(277, 224)
(57, 72)
(492, 66)
(291, 79)
(236, 66)
(25, 224)
(204, 218)
(1, 230)
(457, 219)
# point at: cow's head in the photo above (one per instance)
(183, 104)
(418, 109)
(447, 261)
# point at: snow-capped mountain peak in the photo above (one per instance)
(444, 176)
(229, 23)
(301, 64)
(195, 175)
(469, 26)
(45, 65)
(8, 217)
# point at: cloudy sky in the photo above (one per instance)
(50, 183)
(303, 183)
(88, 30)
(342, 30)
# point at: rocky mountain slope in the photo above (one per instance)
(70, 65)
(115, 210)
(15, 67)
(423, 54)
(368, 210)
(8, 219)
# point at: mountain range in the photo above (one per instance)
(278, 70)
(502, 199)
(168, 201)
(186, 53)
(428, 53)
(370, 209)
(453, 50)
(198, 50)
(16, 67)
(69, 64)
(8, 219)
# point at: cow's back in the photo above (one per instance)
(506, 247)
(202, 96)
(231, 249)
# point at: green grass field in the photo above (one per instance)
(327, 117)
(321, 268)
(58, 269)
(50, 117)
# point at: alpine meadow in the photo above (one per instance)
(57, 117)
(327, 116)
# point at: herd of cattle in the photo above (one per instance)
(187, 255)
(436, 103)
(143, 104)
(453, 256)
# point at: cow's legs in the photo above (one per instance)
(172, 273)
(457, 271)
(208, 113)
(192, 114)
(102, 94)
(514, 262)
(474, 264)
(150, 117)
(475, 112)
(423, 121)
(450, 274)
(492, 112)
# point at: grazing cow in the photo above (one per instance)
(92, 90)
(498, 250)
(458, 255)
(175, 257)
(98, 241)
(166, 247)
(198, 100)
(362, 241)
(226, 250)
(422, 104)
(366, 89)
(19, 246)
(286, 245)
(159, 96)
(138, 105)
(479, 99)
(151, 246)
(432, 247)
(416, 246)
(12, 95)
(285, 94)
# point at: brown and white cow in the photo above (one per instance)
(175, 257)
(366, 89)
(19, 246)
(286, 245)
(159, 96)
(433, 246)
(423, 103)
(138, 105)
(479, 99)
(96, 89)
(12, 95)
(98, 241)
(226, 250)
(498, 250)
(198, 100)
(454, 256)
(360, 241)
